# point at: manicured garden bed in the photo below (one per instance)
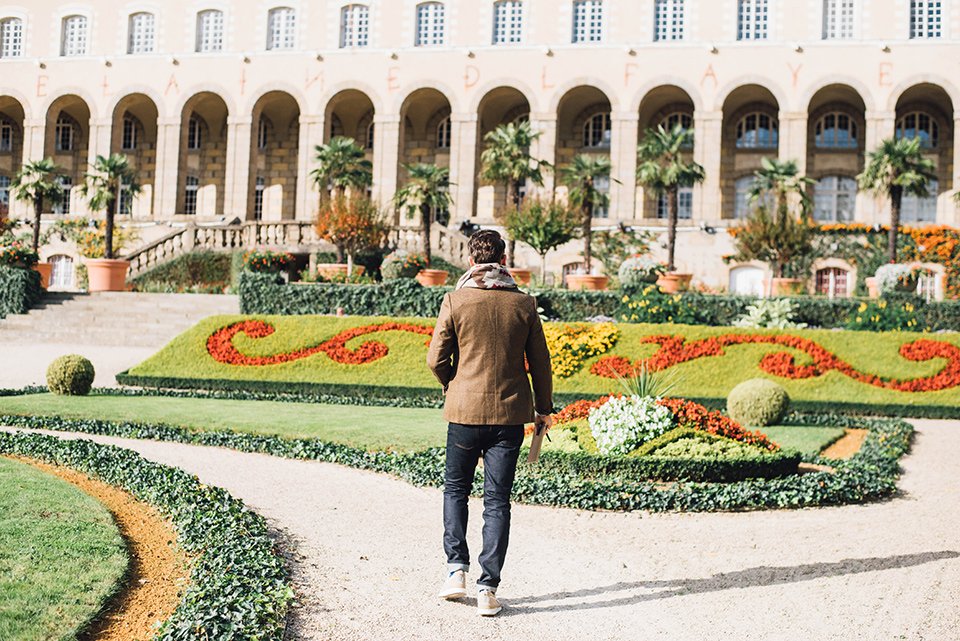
(61, 556)
(891, 373)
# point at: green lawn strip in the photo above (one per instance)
(371, 428)
(806, 439)
(61, 556)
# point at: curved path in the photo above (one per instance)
(365, 551)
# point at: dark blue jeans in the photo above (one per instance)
(499, 445)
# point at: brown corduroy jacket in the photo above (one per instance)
(477, 353)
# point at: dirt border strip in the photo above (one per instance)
(158, 572)
(847, 445)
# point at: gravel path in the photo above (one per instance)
(367, 560)
(26, 364)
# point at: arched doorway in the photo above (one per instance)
(203, 156)
(925, 111)
(751, 131)
(666, 106)
(836, 134)
(426, 135)
(584, 126)
(11, 148)
(498, 107)
(67, 141)
(274, 149)
(134, 134)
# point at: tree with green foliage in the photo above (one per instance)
(427, 190)
(38, 182)
(543, 226)
(896, 168)
(612, 247)
(581, 177)
(664, 168)
(341, 164)
(352, 225)
(506, 161)
(778, 180)
(104, 186)
(782, 240)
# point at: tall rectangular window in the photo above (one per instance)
(752, 20)
(281, 28)
(668, 20)
(926, 18)
(128, 140)
(210, 31)
(194, 133)
(192, 187)
(4, 193)
(354, 26)
(507, 22)
(63, 135)
(261, 184)
(11, 38)
(6, 136)
(62, 207)
(588, 21)
(430, 24)
(142, 33)
(838, 19)
(73, 40)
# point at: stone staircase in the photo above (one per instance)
(113, 319)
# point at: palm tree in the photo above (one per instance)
(581, 176)
(38, 182)
(341, 164)
(507, 161)
(104, 186)
(895, 168)
(779, 179)
(663, 168)
(427, 189)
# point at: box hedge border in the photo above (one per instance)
(19, 290)
(239, 585)
(566, 479)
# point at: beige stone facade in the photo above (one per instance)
(220, 103)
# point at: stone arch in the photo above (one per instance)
(440, 87)
(565, 89)
(732, 88)
(480, 95)
(73, 162)
(740, 161)
(691, 91)
(205, 88)
(660, 102)
(896, 94)
(139, 145)
(201, 174)
(274, 165)
(855, 84)
(500, 105)
(351, 86)
(303, 104)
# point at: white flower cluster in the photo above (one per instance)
(622, 424)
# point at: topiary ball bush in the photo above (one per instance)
(70, 375)
(758, 402)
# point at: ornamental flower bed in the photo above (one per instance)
(17, 255)
(265, 260)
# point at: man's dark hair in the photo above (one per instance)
(486, 246)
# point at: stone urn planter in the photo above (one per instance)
(787, 287)
(107, 275)
(586, 282)
(337, 270)
(873, 288)
(432, 277)
(45, 270)
(673, 282)
(522, 276)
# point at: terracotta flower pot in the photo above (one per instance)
(106, 275)
(522, 276)
(333, 270)
(873, 288)
(432, 277)
(587, 281)
(673, 282)
(787, 287)
(45, 270)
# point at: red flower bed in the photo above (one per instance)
(220, 344)
(675, 350)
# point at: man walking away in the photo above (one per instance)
(486, 329)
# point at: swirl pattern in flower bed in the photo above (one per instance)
(675, 350)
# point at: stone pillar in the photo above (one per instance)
(870, 208)
(464, 166)
(623, 157)
(793, 138)
(99, 142)
(386, 156)
(545, 148)
(33, 141)
(237, 172)
(707, 148)
(311, 135)
(167, 168)
(951, 215)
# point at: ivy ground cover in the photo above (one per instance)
(887, 373)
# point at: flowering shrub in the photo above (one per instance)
(401, 264)
(653, 306)
(90, 236)
(770, 313)
(571, 345)
(884, 316)
(16, 255)
(624, 423)
(639, 270)
(264, 260)
(896, 277)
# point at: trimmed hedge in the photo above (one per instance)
(19, 290)
(572, 480)
(239, 586)
(202, 271)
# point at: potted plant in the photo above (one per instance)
(403, 264)
(427, 191)
(16, 255)
(580, 177)
(38, 182)
(352, 225)
(637, 271)
(897, 278)
(266, 261)
(543, 226)
(104, 186)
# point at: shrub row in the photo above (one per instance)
(201, 271)
(572, 480)
(19, 290)
(239, 588)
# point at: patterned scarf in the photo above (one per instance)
(487, 276)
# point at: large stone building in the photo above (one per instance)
(220, 103)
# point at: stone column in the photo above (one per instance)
(386, 156)
(237, 171)
(870, 208)
(707, 147)
(623, 157)
(167, 168)
(464, 167)
(33, 141)
(311, 135)
(952, 216)
(99, 141)
(545, 148)
(793, 138)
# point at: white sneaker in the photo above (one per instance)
(487, 604)
(455, 586)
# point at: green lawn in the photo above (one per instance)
(809, 440)
(372, 428)
(61, 556)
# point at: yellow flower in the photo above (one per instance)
(863, 307)
(624, 299)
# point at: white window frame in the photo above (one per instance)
(444, 133)
(191, 192)
(431, 24)
(601, 185)
(668, 20)
(5, 182)
(141, 33)
(839, 19)
(932, 131)
(260, 185)
(262, 133)
(62, 208)
(743, 206)
(11, 37)
(7, 136)
(74, 35)
(194, 133)
(753, 20)
(829, 194)
(281, 29)
(926, 19)
(63, 272)
(354, 26)
(129, 133)
(835, 141)
(920, 210)
(597, 131)
(65, 131)
(507, 22)
(757, 117)
(588, 22)
(210, 31)
(684, 204)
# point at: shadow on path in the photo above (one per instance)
(749, 578)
